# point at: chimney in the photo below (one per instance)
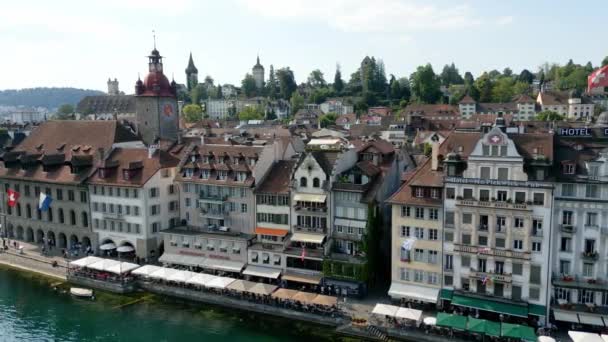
(435, 156)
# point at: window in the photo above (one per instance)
(535, 272)
(419, 213)
(484, 195)
(518, 222)
(449, 262)
(303, 182)
(520, 197)
(418, 254)
(518, 269)
(481, 265)
(418, 276)
(405, 274)
(71, 195)
(467, 193)
(433, 257)
(539, 198)
(466, 239)
(435, 193)
(83, 197)
(405, 231)
(419, 192)
(450, 193)
(153, 192)
(537, 227)
(589, 246)
(591, 191)
(243, 207)
(482, 240)
(567, 217)
(586, 297)
(59, 194)
(518, 244)
(534, 293)
(448, 236)
(316, 183)
(171, 189)
(499, 267)
(503, 173)
(419, 233)
(465, 261)
(405, 211)
(566, 242)
(433, 234)
(536, 246)
(432, 278)
(591, 220)
(155, 209)
(484, 172)
(568, 190)
(569, 169)
(564, 267)
(467, 218)
(516, 292)
(501, 196)
(85, 219)
(500, 242)
(72, 218)
(448, 280)
(501, 222)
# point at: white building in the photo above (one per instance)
(336, 106)
(133, 199)
(569, 104)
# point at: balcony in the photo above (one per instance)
(592, 226)
(113, 216)
(500, 277)
(575, 281)
(567, 228)
(590, 256)
(493, 204)
(483, 227)
(346, 186)
(214, 213)
(311, 210)
(307, 229)
(309, 252)
(212, 198)
(537, 232)
(491, 251)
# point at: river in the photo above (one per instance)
(30, 310)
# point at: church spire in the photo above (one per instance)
(191, 69)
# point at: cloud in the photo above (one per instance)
(506, 20)
(382, 16)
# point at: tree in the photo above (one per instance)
(319, 95)
(502, 91)
(65, 112)
(251, 113)
(287, 82)
(526, 76)
(338, 82)
(507, 72)
(395, 89)
(404, 84)
(425, 84)
(192, 113)
(270, 114)
(316, 79)
(219, 92)
(450, 75)
(198, 94)
(372, 245)
(271, 85)
(328, 119)
(549, 115)
(296, 101)
(248, 86)
(468, 78)
(484, 85)
(605, 61)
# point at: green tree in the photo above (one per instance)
(316, 79)
(271, 85)
(319, 95)
(219, 91)
(338, 82)
(425, 84)
(605, 61)
(271, 115)
(251, 113)
(404, 84)
(526, 76)
(198, 94)
(372, 247)
(502, 91)
(287, 82)
(507, 72)
(328, 119)
(450, 75)
(395, 89)
(484, 85)
(296, 101)
(65, 112)
(548, 115)
(248, 86)
(192, 113)
(468, 79)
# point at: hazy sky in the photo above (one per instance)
(82, 43)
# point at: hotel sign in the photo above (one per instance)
(580, 132)
(496, 182)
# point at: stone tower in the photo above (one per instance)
(191, 74)
(113, 87)
(258, 74)
(156, 104)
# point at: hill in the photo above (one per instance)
(44, 97)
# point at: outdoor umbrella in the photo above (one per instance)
(482, 326)
(518, 331)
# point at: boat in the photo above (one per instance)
(81, 293)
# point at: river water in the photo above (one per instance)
(30, 310)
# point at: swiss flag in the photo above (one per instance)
(598, 78)
(13, 196)
(303, 253)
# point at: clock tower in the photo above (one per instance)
(156, 103)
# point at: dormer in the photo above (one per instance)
(106, 168)
(131, 170)
(568, 167)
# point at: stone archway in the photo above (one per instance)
(62, 241)
(50, 235)
(19, 233)
(73, 241)
(86, 242)
(11, 231)
(29, 234)
(40, 236)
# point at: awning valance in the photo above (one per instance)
(566, 316)
(271, 231)
(350, 223)
(416, 292)
(341, 222)
(308, 238)
(309, 198)
(146, 270)
(265, 272)
(302, 278)
(224, 265)
(181, 259)
(85, 261)
(591, 319)
(490, 305)
(219, 282)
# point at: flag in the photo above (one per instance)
(13, 196)
(598, 78)
(485, 280)
(45, 202)
(303, 253)
(408, 244)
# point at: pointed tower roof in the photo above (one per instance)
(191, 69)
(258, 65)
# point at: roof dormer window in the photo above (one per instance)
(569, 168)
(419, 192)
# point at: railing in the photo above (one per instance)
(311, 229)
(494, 204)
(113, 216)
(537, 232)
(483, 227)
(350, 186)
(492, 251)
(592, 256)
(210, 197)
(317, 210)
(592, 226)
(214, 213)
(567, 228)
(500, 277)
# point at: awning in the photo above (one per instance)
(451, 321)
(265, 272)
(122, 268)
(309, 198)
(163, 273)
(566, 316)
(484, 327)
(284, 294)
(385, 310)
(302, 278)
(537, 310)
(581, 336)
(181, 259)
(224, 265)
(240, 285)
(181, 276)
(219, 282)
(416, 292)
(146, 270)
(350, 223)
(308, 238)
(325, 300)
(200, 279)
(107, 246)
(125, 249)
(262, 289)
(490, 305)
(446, 294)
(516, 331)
(304, 297)
(341, 222)
(358, 224)
(407, 313)
(591, 319)
(271, 231)
(103, 264)
(85, 261)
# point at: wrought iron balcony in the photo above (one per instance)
(590, 256)
(567, 228)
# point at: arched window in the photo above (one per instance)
(18, 209)
(61, 216)
(72, 218)
(85, 219)
(303, 182)
(39, 214)
(28, 211)
(50, 214)
(316, 182)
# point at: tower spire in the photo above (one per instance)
(154, 38)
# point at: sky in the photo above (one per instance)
(75, 43)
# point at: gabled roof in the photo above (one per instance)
(278, 178)
(326, 160)
(467, 100)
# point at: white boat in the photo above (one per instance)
(80, 292)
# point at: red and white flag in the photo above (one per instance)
(598, 78)
(13, 196)
(303, 253)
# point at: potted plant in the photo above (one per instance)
(591, 281)
(509, 201)
(567, 278)
(459, 197)
(493, 199)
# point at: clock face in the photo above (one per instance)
(495, 139)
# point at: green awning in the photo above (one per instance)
(482, 326)
(490, 305)
(446, 294)
(518, 331)
(451, 321)
(537, 310)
